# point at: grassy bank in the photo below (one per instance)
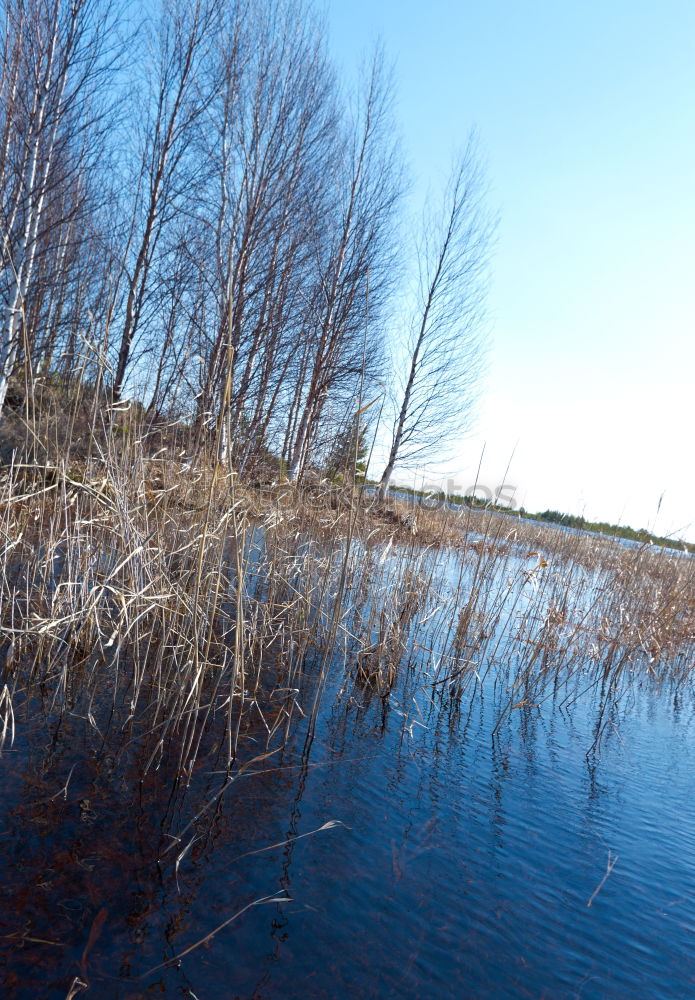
(579, 523)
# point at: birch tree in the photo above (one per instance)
(441, 360)
(270, 138)
(55, 58)
(355, 269)
(177, 103)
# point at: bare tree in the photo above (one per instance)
(271, 133)
(177, 104)
(355, 262)
(56, 58)
(443, 354)
(219, 243)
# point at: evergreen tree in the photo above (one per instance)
(346, 458)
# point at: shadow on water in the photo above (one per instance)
(470, 835)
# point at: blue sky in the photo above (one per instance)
(585, 114)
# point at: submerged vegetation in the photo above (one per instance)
(177, 627)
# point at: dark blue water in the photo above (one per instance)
(462, 867)
(466, 865)
(415, 847)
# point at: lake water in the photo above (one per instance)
(460, 864)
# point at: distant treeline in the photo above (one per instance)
(604, 528)
(556, 517)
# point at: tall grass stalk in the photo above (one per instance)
(165, 601)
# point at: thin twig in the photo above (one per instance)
(609, 868)
(208, 937)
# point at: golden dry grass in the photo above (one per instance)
(191, 601)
